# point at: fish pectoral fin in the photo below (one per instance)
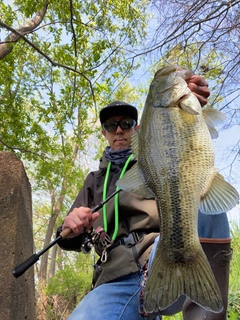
(168, 280)
(212, 118)
(132, 182)
(188, 104)
(221, 197)
(188, 109)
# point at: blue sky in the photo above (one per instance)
(228, 162)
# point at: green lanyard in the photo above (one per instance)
(105, 222)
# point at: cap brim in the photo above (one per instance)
(121, 110)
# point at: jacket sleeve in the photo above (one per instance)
(85, 199)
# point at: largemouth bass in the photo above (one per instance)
(176, 166)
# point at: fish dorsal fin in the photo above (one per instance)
(134, 144)
(212, 118)
(132, 182)
(221, 197)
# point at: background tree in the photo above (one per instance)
(210, 25)
(61, 62)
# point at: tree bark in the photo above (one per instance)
(53, 262)
(50, 228)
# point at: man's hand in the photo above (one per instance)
(199, 87)
(79, 220)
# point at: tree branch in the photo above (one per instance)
(53, 63)
(23, 150)
(6, 47)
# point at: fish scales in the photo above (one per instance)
(176, 166)
(174, 156)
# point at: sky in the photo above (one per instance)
(223, 145)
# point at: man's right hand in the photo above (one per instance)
(79, 220)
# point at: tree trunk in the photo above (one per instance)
(50, 229)
(49, 233)
(53, 262)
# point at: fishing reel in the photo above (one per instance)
(99, 239)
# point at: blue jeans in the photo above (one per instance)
(213, 226)
(116, 300)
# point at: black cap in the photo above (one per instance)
(118, 108)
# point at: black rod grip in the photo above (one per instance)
(19, 270)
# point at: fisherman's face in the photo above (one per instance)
(119, 138)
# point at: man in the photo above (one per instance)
(131, 222)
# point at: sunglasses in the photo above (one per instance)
(124, 124)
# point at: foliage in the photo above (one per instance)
(234, 292)
(69, 285)
(49, 107)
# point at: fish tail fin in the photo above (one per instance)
(168, 281)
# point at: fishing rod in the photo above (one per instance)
(20, 269)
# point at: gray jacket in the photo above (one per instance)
(137, 216)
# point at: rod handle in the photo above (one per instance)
(19, 270)
(65, 233)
